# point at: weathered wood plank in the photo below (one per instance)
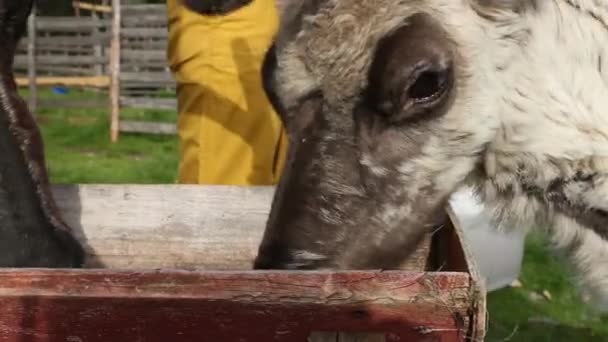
(92, 7)
(149, 103)
(31, 62)
(69, 40)
(144, 54)
(114, 69)
(164, 77)
(148, 127)
(72, 103)
(97, 305)
(146, 19)
(130, 32)
(71, 24)
(65, 59)
(182, 226)
(84, 81)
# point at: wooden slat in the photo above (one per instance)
(148, 127)
(69, 40)
(139, 9)
(95, 81)
(51, 70)
(70, 60)
(129, 32)
(149, 103)
(31, 62)
(70, 24)
(167, 225)
(72, 103)
(92, 7)
(138, 227)
(478, 290)
(114, 69)
(164, 77)
(145, 19)
(144, 54)
(155, 306)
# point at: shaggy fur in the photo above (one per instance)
(526, 126)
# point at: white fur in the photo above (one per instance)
(532, 106)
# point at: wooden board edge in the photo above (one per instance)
(479, 320)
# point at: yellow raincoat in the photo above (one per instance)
(228, 131)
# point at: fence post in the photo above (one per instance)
(31, 61)
(115, 71)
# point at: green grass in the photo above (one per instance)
(561, 319)
(78, 151)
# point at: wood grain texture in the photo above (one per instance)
(479, 321)
(148, 127)
(94, 305)
(114, 67)
(93, 81)
(138, 228)
(92, 7)
(159, 226)
(174, 226)
(31, 61)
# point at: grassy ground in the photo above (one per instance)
(78, 151)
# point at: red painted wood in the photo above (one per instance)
(175, 306)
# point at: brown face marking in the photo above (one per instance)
(412, 74)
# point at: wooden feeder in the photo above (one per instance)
(171, 263)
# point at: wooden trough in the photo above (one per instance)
(171, 263)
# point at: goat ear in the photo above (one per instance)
(215, 7)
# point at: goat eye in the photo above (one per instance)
(428, 86)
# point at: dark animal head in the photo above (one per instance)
(387, 106)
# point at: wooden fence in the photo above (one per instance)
(121, 53)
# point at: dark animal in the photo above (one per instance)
(32, 233)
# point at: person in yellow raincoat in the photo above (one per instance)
(228, 131)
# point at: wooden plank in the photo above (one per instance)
(115, 71)
(164, 77)
(177, 306)
(67, 40)
(98, 48)
(145, 19)
(31, 61)
(65, 59)
(149, 225)
(139, 9)
(70, 24)
(149, 103)
(84, 81)
(72, 103)
(145, 32)
(92, 7)
(144, 54)
(148, 127)
(479, 321)
(52, 70)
